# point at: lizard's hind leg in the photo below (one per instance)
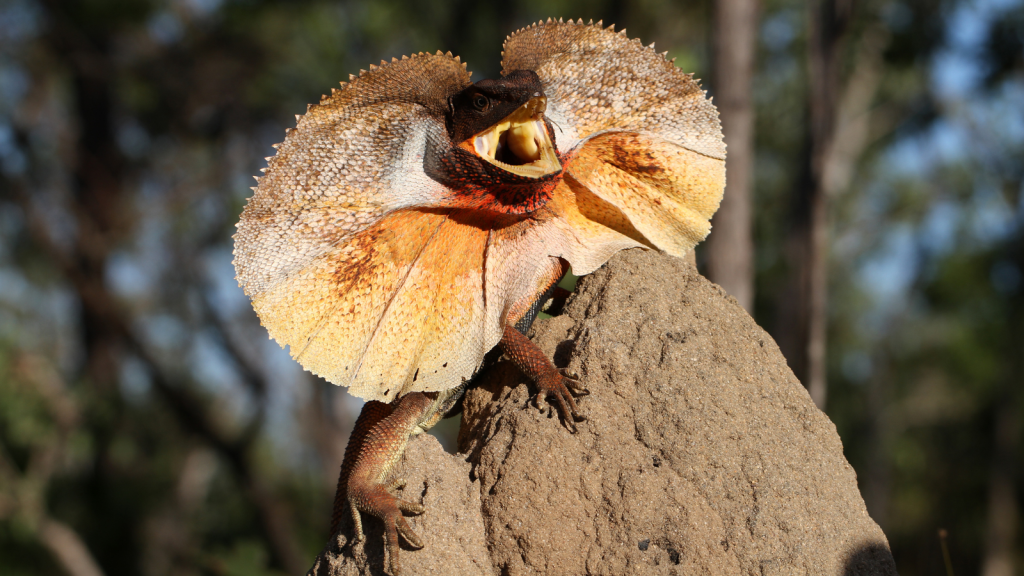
(367, 482)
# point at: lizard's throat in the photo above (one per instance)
(519, 144)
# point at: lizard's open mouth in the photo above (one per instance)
(519, 144)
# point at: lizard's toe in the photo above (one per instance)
(410, 537)
(395, 526)
(411, 507)
(406, 506)
(378, 500)
(557, 384)
(573, 382)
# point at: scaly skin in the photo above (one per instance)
(549, 380)
(367, 482)
(371, 483)
(372, 413)
(382, 432)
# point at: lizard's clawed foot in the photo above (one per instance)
(558, 384)
(378, 500)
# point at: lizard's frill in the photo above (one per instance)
(357, 260)
(642, 136)
(349, 161)
(338, 265)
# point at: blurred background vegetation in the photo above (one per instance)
(148, 426)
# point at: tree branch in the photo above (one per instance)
(67, 546)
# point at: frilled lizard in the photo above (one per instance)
(413, 220)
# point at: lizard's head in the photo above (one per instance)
(501, 122)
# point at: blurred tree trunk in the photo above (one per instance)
(876, 479)
(97, 201)
(827, 22)
(840, 128)
(1002, 515)
(730, 248)
(1001, 522)
(804, 304)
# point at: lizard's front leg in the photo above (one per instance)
(367, 481)
(551, 381)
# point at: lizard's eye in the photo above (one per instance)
(480, 102)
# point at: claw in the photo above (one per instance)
(411, 507)
(393, 527)
(546, 410)
(378, 501)
(556, 383)
(408, 535)
(573, 381)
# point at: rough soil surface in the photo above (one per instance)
(702, 454)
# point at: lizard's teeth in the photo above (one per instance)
(486, 144)
(482, 144)
(495, 139)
